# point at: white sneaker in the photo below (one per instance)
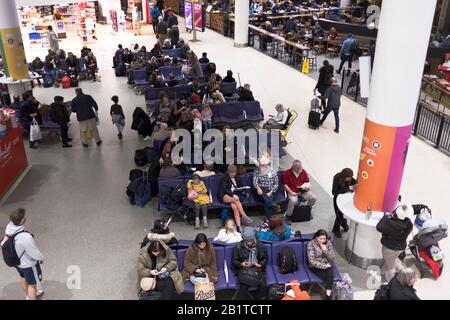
(39, 292)
(147, 138)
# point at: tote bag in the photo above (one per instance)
(204, 290)
(35, 131)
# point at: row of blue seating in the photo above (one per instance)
(228, 279)
(212, 184)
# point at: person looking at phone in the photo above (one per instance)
(249, 263)
(157, 261)
(297, 186)
(343, 182)
(200, 261)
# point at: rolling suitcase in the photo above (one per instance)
(65, 82)
(314, 114)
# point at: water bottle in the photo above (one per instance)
(369, 212)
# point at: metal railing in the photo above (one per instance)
(433, 126)
(350, 86)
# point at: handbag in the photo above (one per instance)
(250, 277)
(192, 194)
(163, 275)
(35, 131)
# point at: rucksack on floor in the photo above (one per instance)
(287, 261)
(179, 193)
(9, 251)
(301, 213)
(140, 157)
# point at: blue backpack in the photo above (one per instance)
(141, 201)
(224, 215)
(47, 78)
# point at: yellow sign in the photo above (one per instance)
(14, 53)
(305, 68)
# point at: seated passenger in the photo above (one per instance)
(165, 108)
(402, 285)
(198, 198)
(265, 181)
(207, 170)
(229, 233)
(172, 82)
(200, 261)
(249, 256)
(229, 77)
(275, 231)
(245, 94)
(167, 45)
(333, 35)
(168, 170)
(228, 193)
(321, 259)
(161, 232)
(204, 58)
(156, 260)
(297, 185)
(280, 120)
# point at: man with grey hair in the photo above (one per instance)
(297, 185)
(402, 286)
(279, 121)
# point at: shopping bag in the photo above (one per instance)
(204, 290)
(35, 131)
(87, 135)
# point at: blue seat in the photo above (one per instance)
(301, 275)
(140, 77)
(167, 182)
(176, 52)
(280, 195)
(213, 187)
(253, 111)
(229, 91)
(176, 70)
(230, 113)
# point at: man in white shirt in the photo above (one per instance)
(279, 121)
(29, 254)
(255, 7)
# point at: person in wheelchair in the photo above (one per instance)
(280, 120)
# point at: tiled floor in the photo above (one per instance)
(76, 200)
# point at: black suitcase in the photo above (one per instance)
(140, 157)
(301, 213)
(314, 119)
(73, 81)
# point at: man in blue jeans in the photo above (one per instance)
(265, 181)
(333, 95)
(346, 53)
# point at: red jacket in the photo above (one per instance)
(293, 182)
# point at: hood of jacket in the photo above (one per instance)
(11, 229)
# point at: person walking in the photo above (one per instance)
(61, 116)
(53, 39)
(347, 53)
(118, 118)
(333, 95)
(136, 17)
(161, 31)
(155, 14)
(86, 109)
(395, 229)
(325, 75)
(29, 254)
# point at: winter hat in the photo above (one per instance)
(148, 283)
(248, 234)
(404, 211)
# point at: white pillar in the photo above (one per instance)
(241, 16)
(394, 91)
(11, 43)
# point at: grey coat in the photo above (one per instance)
(333, 95)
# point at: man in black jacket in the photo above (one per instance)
(250, 254)
(394, 229)
(86, 109)
(61, 116)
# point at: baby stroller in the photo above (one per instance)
(425, 244)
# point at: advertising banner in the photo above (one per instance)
(13, 53)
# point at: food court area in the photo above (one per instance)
(77, 200)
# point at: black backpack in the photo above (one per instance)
(9, 251)
(140, 157)
(287, 261)
(52, 114)
(179, 193)
(166, 198)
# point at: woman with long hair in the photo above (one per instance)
(343, 182)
